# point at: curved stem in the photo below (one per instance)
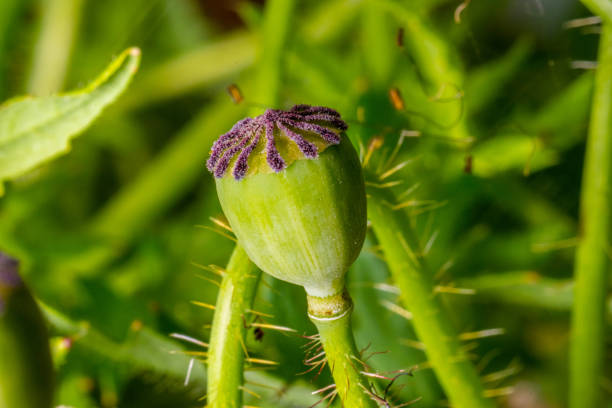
(449, 361)
(227, 349)
(592, 257)
(332, 317)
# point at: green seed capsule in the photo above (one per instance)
(26, 370)
(301, 218)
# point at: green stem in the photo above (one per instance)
(451, 364)
(276, 30)
(10, 17)
(601, 7)
(592, 262)
(332, 317)
(438, 65)
(227, 340)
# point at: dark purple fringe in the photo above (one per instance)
(244, 136)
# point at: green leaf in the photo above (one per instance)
(34, 130)
(193, 70)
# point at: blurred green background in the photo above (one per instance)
(113, 236)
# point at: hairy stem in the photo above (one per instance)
(592, 261)
(332, 317)
(227, 345)
(449, 361)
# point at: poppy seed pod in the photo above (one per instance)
(26, 370)
(291, 186)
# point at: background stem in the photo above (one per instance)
(592, 256)
(455, 372)
(239, 285)
(52, 54)
(277, 21)
(227, 340)
(340, 350)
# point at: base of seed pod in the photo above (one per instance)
(330, 307)
(332, 317)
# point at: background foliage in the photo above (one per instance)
(112, 236)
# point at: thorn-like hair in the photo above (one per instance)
(237, 145)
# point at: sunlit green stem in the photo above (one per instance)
(227, 340)
(332, 317)
(52, 53)
(592, 257)
(431, 322)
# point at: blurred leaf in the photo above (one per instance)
(434, 56)
(71, 392)
(193, 70)
(439, 73)
(378, 43)
(276, 393)
(142, 351)
(541, 138)
(329, 20)
(526, 288)
(185, 29)
(34, 130)
(563, 120)
(485, 82)
(169, 175)
(507, 152)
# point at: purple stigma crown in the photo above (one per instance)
(310, 128)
